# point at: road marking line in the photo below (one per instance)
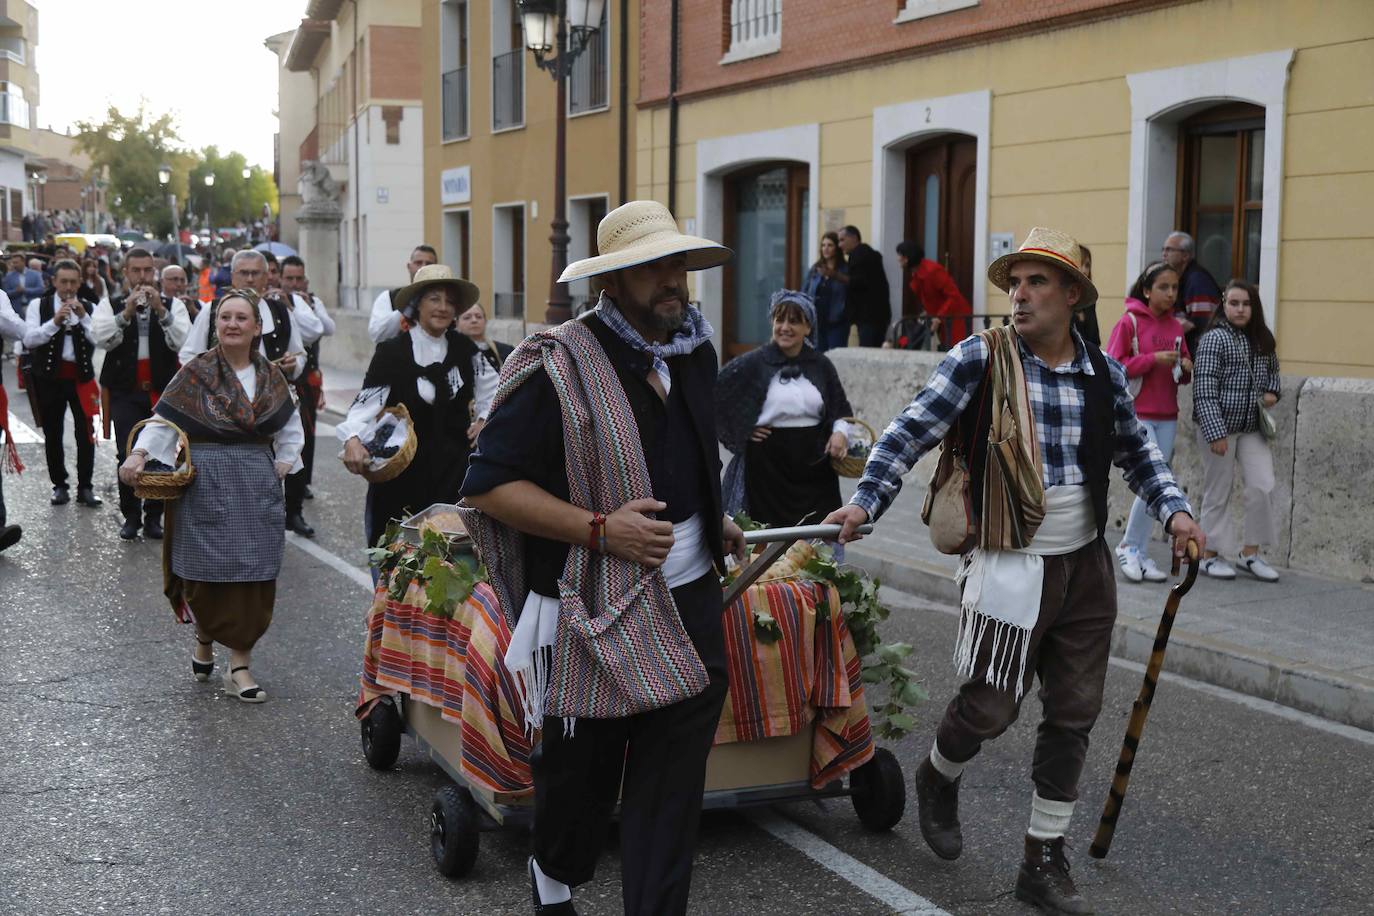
(24, 434)
(324, 556)
(866, 879)
(1278, 710)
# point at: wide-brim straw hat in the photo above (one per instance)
(639, 232)
(1049, 246)
(432, 275)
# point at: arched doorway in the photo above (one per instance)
(1220, 199)
(766, 210)
(941, 185)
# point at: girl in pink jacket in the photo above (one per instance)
(1148, 341)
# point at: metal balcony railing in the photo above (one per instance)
(508, 90)
(588, 86)
(508, 305)
(455, 103)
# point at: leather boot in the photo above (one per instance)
(85, 496)
(296, 522)
(1044, 879)
(937, 803)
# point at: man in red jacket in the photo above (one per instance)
(937, 292)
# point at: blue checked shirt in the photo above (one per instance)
(1056, 396)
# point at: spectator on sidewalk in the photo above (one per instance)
(1148, 342)
(1237, 376)
(1085, 319)
(22, 283)
(780, 411)
(486, 365)
(866, 298)
(937, 293)
(826, 283)
(388, 319)
(1198, 292)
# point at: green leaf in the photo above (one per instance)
(912, 693)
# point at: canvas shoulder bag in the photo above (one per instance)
(948, 508)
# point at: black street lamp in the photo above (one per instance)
(567, 27)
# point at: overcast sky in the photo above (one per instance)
(203, 61)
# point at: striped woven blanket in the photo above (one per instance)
(455, 666)
(812, 672)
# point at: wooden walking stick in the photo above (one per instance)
(1106, 827)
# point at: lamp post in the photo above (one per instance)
(164, 178)
(209, 194)
(247, 196)
(565, 27)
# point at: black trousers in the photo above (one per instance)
(297, 482)
(55, 398)
(127, 409)
(654, 762)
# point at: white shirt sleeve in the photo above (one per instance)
(322, 313)
(38, 332)
(289, 441)
(485, 381)
(197, 339)
(385, 321)
(12, 327)
(108, 333)
(295, 346)
(305, 321)
(85, 325)
(160, 442)
(364, 409)
(179, 328)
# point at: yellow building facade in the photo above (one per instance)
(1109, 130)
(490, 139)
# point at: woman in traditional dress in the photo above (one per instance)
(222, 547)
(780, 410)
(491, 354)
(429, 369)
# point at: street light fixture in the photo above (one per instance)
(209, 183)
(164, 178)
(567, 27)
(247, 173)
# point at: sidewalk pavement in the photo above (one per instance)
(1305, 641)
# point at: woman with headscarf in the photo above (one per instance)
(429, 369)
(223, 539)
(780, 410)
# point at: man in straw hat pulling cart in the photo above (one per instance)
(594, 498)
(1038, 581)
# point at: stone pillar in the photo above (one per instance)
(319, 217)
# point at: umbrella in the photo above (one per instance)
(173, 252)
(277, 248)
(132, 235)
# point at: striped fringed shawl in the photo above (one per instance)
(1013, 484)
(621, 647)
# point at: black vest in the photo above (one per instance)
(1095, 449)
(48, 358)
(120, 372)
(274, 344)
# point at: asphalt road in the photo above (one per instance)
(128, 787)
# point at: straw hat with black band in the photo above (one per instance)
(1048, 246)
(430, 276)
(639, 232)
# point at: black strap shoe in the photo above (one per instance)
(60, 496)
(295, 521)
(152, 529)
(129, 530)
(1044, 881)
(937, 804)
(9, 536)
(85, 496)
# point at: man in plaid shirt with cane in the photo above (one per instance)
(1038, 594)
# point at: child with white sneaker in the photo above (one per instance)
(1237, 377)
(1148, 342)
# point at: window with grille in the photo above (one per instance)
(754, 29)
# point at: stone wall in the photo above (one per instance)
(1323, 458)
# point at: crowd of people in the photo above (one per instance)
(587, 461)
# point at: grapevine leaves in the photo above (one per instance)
(447, 579)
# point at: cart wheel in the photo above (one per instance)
(381, 730)
(453, 831)
(878, 791)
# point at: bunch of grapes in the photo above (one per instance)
(153, 466)
(377, 447)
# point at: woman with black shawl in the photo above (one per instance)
(429, 369)
(223, 541)
(780, 410)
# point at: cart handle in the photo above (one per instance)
(805, 532)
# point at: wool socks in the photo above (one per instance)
(1049, 819)
(944, 766)
(550, 891)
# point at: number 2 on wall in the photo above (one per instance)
(927, 114)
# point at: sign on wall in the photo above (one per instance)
(455, 185)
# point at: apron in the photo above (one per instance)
(231, 519)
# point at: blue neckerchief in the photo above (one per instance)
(695, 331)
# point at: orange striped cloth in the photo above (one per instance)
(455, 666)
(812, 673)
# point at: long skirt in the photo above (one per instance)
(233, 614)
(788, 478)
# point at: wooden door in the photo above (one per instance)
(941, 181)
